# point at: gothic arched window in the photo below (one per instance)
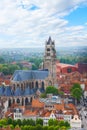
(26, 101)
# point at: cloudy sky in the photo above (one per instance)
(29, 23)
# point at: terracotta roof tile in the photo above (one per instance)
(72, 106)
(47, 114)
(37, 104)
(59, 106)
(30, 113)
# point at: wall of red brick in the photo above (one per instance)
(64, 69)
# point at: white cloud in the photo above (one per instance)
(30, 22)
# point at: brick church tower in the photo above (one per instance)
(50, 57)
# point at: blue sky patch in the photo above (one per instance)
(33, 7)
(77, 17)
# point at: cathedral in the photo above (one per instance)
(28, 84)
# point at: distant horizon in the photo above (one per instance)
(42, 47)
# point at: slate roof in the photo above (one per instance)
(22, 75)
(18, 92)
(49, 40)
(1, 90)
(8, 91)
(5, 91)
(27, 91)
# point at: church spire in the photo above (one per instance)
(49, 40)
(50, 56)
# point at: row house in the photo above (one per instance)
(38, 109)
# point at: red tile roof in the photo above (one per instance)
(37, 104)
(62, 65)
(30, 113)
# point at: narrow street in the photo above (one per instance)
(84, 121)
(83, 117)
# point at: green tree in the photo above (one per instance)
(63, 128)
(5, 70)
(12, 68)
(19, 122)
(26, 127)
(76, 85)
(32, 128)
(11, 126)
(2, 60)
(39, 121)
(1, 125)
(14, 123)
(22, 127)
(45, 127)
(76, 91)
(32, 122)
(9, 121)
(57, 128)
(51, 122)
(27, 122)
(61, 123)
(34, 67)
(36, 62)
(17, 126)
(55, 122)
(3, 122)
(38, 127)
(51, 89)
(51, 128)
(43, 95)
(67, 124)
(23, 122)
(20, 65)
